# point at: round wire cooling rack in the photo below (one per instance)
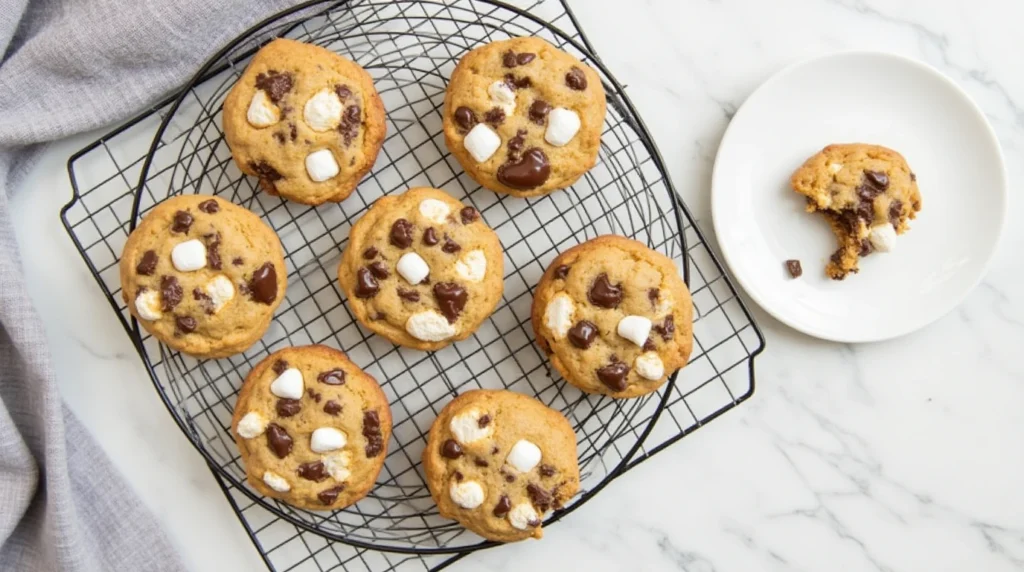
(410, 48)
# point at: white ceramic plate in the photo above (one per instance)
(868, 98)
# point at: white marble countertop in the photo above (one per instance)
(903, 455)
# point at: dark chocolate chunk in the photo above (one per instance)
(275, 83)
(667, 328)
(185, 324)
(332, 377)
(451, 449)
(913, 177)
(313, 395)
(170, 293)
(877, 179)
(288, 407)
(457, 475)
(379, 270)
(147, 265)
(649, 345)
(328, 496)
(582, 334)
(530, 171)
(480, 462)
(484, 421)
(450, 246)
(451, 298)
(370, 253)
(539, 110)
(515, 144)
(503, 507)
(524, 58)
(237, 261)
(279, 137)
(468, 215)
(313, 471)
(343, 91)
(866, 247)
(794, 268)
(379, 316)
(366, 284)
(265, 172)
(332, 407)
(895, 208)
(279, 440)
(205, 301)
(182, 222)
(350, 123)
(213, 251)
(409, 295)
(539, 498)
(515, 83)
(605, 294)
(576, 79)
(280, 366)
(509, 477)
(465, 118)
(561, 272)
(508, 59)
(293, 131)
(209, 206)
(263, 284)
(614, 375)
(430, 236)
(495, 116)
(653, 295)
(371, 430)
(494, 450)
(547, 471)
(401, 233)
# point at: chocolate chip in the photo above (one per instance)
(457, 475)
(653, 295)
(170, 293)
(328, 496)
(379, 270)
(508, 59)
(895, 209)
(288, 407)
(409, 295)
(867, 192)
(524, 58)
(865, 247)
(503, 507)
(582, 334)
(614, 375)
(205, 301)
(350, 122)
(313, 471)
(495, 116)
(561, 272)
(539, 110)
(430, 236)
(209, 206)
(450, 246)
(494, 450)
(605, 294)
(293, 132)
(514, 83)
(276, 84)
(451, 449)
(237, 261)
(182, 222)
(515, 144)
(451, 298)
(332, 407)
(279, 440)
(649, 345)
(279, 137)
(401, 233)
(480, 462)
(540, 498)
(468, 215)
(370, 253)
(509, 477)
(547, 471)
(265, 172)
(263, 284)
(484, 421)
(379, 316)
(147, 265)
(280, 366)
(877, 179)
(366, 284)
(465, 118)
(794, 268)
(530, 171)
(667, 328)
(371, 430)
(185, 324)
(576, 79)
(343, 91)
(913, 177)
(213, 251)
(837, 256)
(313, 395)
(332, 377)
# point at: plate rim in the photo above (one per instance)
(1002, 195)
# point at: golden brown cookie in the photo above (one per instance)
(867, 192)
(305, 120)
(614, 316)
(422, 269)
(497, 461)
(312, 428)
(203, 275)
(523, 117)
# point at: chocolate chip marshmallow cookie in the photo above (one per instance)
(305, 120)
(523, 117)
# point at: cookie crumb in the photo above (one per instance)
(794, 268)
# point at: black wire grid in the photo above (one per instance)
(410, 48)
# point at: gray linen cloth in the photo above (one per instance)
(69, 66)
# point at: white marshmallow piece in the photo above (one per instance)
(412, 267)
(502, 96)
(429, 326)
(523, 516)
(321, 166)
(288, 385)
(468, 494)
(276, 482)
(147, 305)
(435, 211)
(189, 255)
(262, 112)
(481, 142)
(327, 439)
(220, 290)
(563, 124)
(558, 315)
(337, 465)
(252, 425)
(472, 266)
(635, 329)
(523, 456)
(883, 237)
(322, 112)
(649, 366)
(466, 429)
